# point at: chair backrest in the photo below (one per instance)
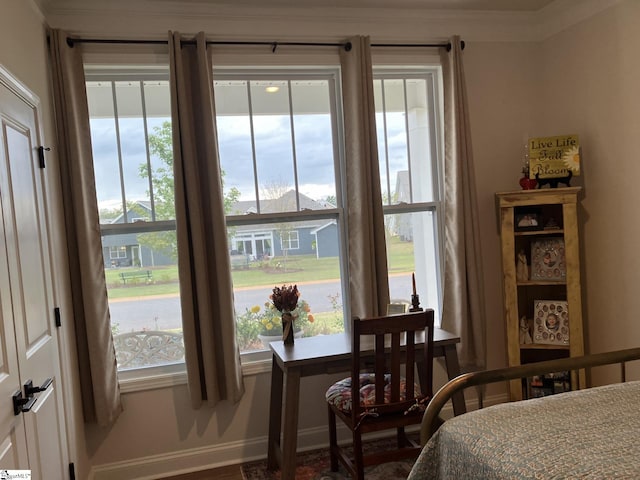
(403, 340)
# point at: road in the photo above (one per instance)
(163, 312)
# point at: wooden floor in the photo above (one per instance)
(232, 472)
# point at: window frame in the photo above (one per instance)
(432, 74)
(290, 241)
(259, 362)
(117, 256)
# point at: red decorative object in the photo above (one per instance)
(528, 183)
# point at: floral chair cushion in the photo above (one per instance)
(339, 394)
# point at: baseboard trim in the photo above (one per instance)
(196, 459)
(155, 467)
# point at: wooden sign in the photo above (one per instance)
(554, 157)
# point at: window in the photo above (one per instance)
(290, 241)
(117, 252)
(408, 132)
(280, 150)
(129, 112)
(278, 144)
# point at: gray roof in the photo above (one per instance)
(286, 203)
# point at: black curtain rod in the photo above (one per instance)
(274, 45)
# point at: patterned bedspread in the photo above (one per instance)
(588, 434)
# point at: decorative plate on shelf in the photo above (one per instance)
(547, 259)
(551, 322)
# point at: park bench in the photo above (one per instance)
(145, 348)
(146, 274)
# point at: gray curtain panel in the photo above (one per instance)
(96, 355)
(368, 274)
(463, 296)
(206, 292)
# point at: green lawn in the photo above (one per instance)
(294, 269)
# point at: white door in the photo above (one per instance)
(26, 267)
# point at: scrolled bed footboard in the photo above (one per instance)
(431, 421)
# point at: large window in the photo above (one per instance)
(129, 112)
(280, 150)
(408, 133)
(278, 143)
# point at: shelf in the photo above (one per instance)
(528, 233)
(520, 297)
(542, 346)
(532, 283)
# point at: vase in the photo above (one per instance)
(267, 339)
(287, 328)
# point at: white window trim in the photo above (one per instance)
(259, 362)
(291, 241)
(169, 376)
(117, 251)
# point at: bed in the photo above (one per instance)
(591, 434)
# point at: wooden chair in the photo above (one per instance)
(387, 399)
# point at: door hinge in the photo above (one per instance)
(41, 151)
(72, 471)
(56, 314)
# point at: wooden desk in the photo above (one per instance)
(323, 355)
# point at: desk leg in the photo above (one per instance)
(453, 370)
(275, 416)
(290, 429)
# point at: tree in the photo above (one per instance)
(161, 145)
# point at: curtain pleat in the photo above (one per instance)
(463, 297)
(206, 292)
(97, 365)
(367, 251)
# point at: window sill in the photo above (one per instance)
(167, 376)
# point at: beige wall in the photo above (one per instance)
(591, 75)
(582, 80)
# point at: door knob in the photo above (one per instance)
(22, 404)
(29, 389)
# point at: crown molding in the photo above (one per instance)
(149, 19)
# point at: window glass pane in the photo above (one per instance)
(105, 149)
(258, 263)
(132, 142)
(274, 147)
(406, 126)
(313, 142)
(282, 124)
(412, 248)
(131, 139)
(144, 298)
(284, 127)
(234, 144)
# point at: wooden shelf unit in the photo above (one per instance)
(561, 204)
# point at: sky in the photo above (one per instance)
(274, 154)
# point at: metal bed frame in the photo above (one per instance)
(431, 420)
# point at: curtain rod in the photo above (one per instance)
(274, 45)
